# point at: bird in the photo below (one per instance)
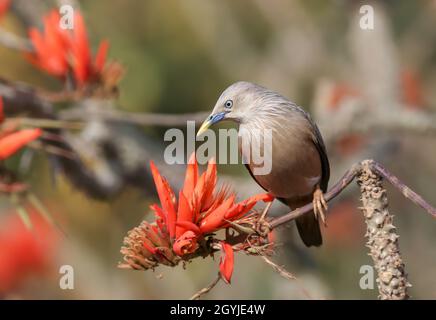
(300, 168)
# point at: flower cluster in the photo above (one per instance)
(4, 6)
(12, 140)
(184, 226)
(60, 51)
(25, 252)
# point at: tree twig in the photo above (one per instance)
(156, 119)
(286, 274)
(11, 41)
(205, 290)
(280, 270)
(346, 179)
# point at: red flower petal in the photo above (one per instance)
(100, 57)
(15, 141)
(248, 204)
(165, 196)
(210, 183)
(190, 177)
(216, 218)
(226, 262)
(50, 48)
(184, 214)
(149, 246)
(80, 50)
(188, 226)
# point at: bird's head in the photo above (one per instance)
(234, 104)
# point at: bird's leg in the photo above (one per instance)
(265, 211)
(262, 227)
(319, 205)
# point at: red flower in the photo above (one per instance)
(24, 252)
(200, 211)
(11, 142)
(4, 6)
(51, 47)
(57, 50)
(84, 68)
(185, 226)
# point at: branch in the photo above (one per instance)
(381, 233)
(382, 237)
(155, 119)
(205, 290)
(11, 41)
(346, 179)
(280, 270)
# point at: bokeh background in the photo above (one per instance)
(369, 91)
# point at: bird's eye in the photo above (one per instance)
(228, 104)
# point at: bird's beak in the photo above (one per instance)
(212, 119)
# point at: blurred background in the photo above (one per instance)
(370, 91)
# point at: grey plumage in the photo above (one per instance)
(299, 158)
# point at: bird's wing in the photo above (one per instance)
(325, 165)
(320, 146)
(253, 176)
(283, 200)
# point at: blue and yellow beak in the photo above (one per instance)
(212, 119)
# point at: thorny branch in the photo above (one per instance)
(382, 237)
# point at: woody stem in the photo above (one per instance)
(347, 178)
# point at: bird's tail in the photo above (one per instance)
(309, 230)
(307, 225)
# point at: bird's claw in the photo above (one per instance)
(263, 228)
(319, 206)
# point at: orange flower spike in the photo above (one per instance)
(190, 177)
(187, 243)
(184, 214)
(226, 262)
(216, 218)
(17, 140)
(165, 196)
